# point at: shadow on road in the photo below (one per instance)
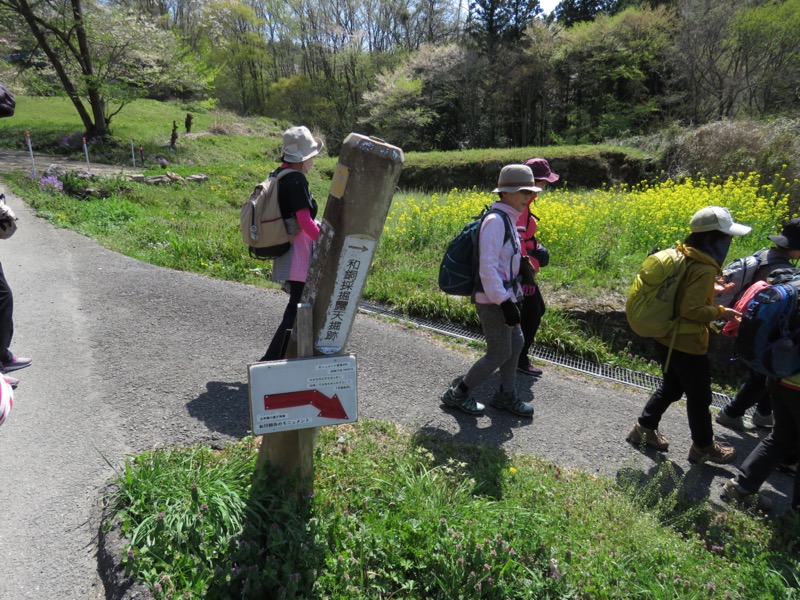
(224, 407)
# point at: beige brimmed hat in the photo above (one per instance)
(716, 218)
(514, 178)
(299, 145)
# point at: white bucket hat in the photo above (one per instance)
(299, 145)
(716, 218)
(514, 178)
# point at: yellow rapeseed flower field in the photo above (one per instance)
(619, 220)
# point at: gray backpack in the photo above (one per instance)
(740, 273)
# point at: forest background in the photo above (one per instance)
(423, 74)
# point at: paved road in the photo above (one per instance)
(129, 356)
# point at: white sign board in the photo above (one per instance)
(350, 277)
(302, 392)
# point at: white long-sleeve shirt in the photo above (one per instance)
(496, 255)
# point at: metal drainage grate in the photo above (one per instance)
(615, 374)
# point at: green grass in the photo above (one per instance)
(396, 515)
(217, 137)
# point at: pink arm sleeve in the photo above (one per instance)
(307, 223)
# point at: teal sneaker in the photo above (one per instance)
(510, 402)
(464, 402)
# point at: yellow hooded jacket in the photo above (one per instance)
(693, 303)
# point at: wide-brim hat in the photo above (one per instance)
(789, 236)
(514, 178)
(716, 218)
(541, 170)
(299, 145)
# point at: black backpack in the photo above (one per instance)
(458, 271)
(7, 104)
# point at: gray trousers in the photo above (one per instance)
(503, 345)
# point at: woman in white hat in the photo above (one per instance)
(705, 249)
(496, 298)
(294, 197)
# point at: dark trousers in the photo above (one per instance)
(6, 318)
(688, 374)
(752, 393)
(277, 347)
(782, 442)
(531, 312)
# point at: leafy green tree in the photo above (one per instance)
(239, 56)
(737, 57)
(768, 38)
(295, 100)
(611, 74)
(102, 58)
(453, 79)
(431, 101)
(495, 26)
(492, 21)
(528, 104)
(570, 12)
(396, 112)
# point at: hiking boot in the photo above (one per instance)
(12, 381)
(737, 423)
(790, 468)
(733, 491)
(16, 362)
(760, 420)
(527, 368)
(510, 402)
(462, 401)
(650, 437)
(722, 454)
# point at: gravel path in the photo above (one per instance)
(14, 160)
(129, 356)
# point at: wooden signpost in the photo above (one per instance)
(360, 196)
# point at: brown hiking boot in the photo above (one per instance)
(650, 437)
(722, 454)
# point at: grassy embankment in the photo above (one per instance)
(398, 516)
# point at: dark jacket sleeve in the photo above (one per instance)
(7, 104)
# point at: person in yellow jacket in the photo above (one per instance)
(712, 230)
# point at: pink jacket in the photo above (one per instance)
(527, 226)
(496, 256)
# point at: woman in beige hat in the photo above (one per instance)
(496, 298)
(294, 197)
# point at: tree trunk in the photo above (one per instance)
(94, 123)
(100, 126)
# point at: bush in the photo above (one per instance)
(727, 148)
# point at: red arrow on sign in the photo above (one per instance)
(329, 408)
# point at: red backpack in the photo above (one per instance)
(731, 328)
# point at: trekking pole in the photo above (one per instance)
(30, 151)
